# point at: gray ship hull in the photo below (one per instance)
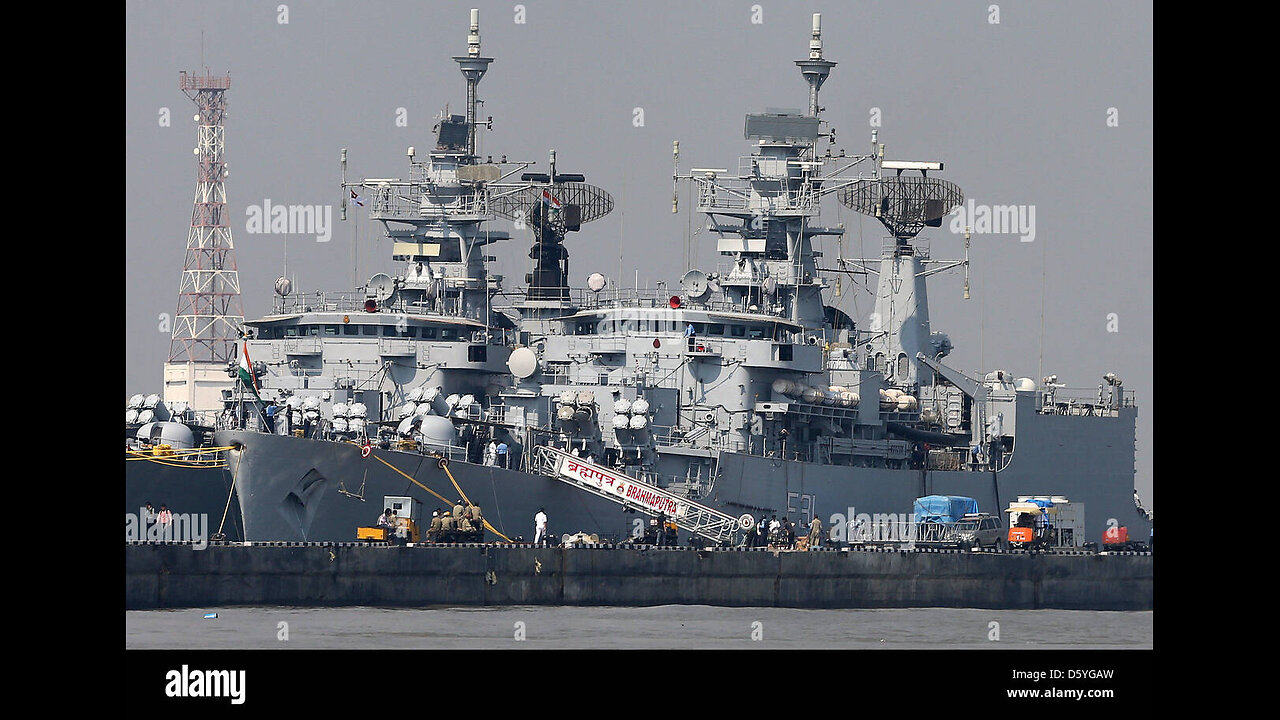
(288, 487)
(303, 490)
(202, 491)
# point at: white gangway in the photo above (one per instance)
(643, 497)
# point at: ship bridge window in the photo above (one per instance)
(369, 330)
(331, 331)
(448, 333)
(755, 332)
(312, 329)
(291, 331)
(585, 328)
(428, 333)
(478, 353)
(350, 329)
(738, 330)
(698, 328)
(715, 329)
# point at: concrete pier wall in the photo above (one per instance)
(177, 575)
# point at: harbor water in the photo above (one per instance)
(605, 628)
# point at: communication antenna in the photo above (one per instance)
(675, 171)
(209, 307)
(966, 262)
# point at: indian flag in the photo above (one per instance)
(246, 371)
(550, 199)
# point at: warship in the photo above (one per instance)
(739, 396)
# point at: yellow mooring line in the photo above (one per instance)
(444, 466)
(197, 458)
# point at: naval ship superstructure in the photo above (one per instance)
(741, 390)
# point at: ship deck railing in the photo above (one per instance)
(659, 298)
(734, 194)
(404, 202)
(1083, 402)
(354, 302)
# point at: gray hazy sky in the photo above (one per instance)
(1017, 110)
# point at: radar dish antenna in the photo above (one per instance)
(381, 287)
(695, 284)
(904, 205)
(567, 204)
(522, 362)
(552, 205)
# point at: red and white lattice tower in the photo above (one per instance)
(209, 317)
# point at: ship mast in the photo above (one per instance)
(772, 203)
(815, 69)
(473, 68)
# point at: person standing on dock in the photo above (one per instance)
(815, 532)
(165, 519)
(540, 526)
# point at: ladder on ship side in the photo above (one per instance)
(630, 493)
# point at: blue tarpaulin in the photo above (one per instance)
(943, 508)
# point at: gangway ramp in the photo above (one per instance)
(631, 493)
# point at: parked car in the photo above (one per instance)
(978, 531)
